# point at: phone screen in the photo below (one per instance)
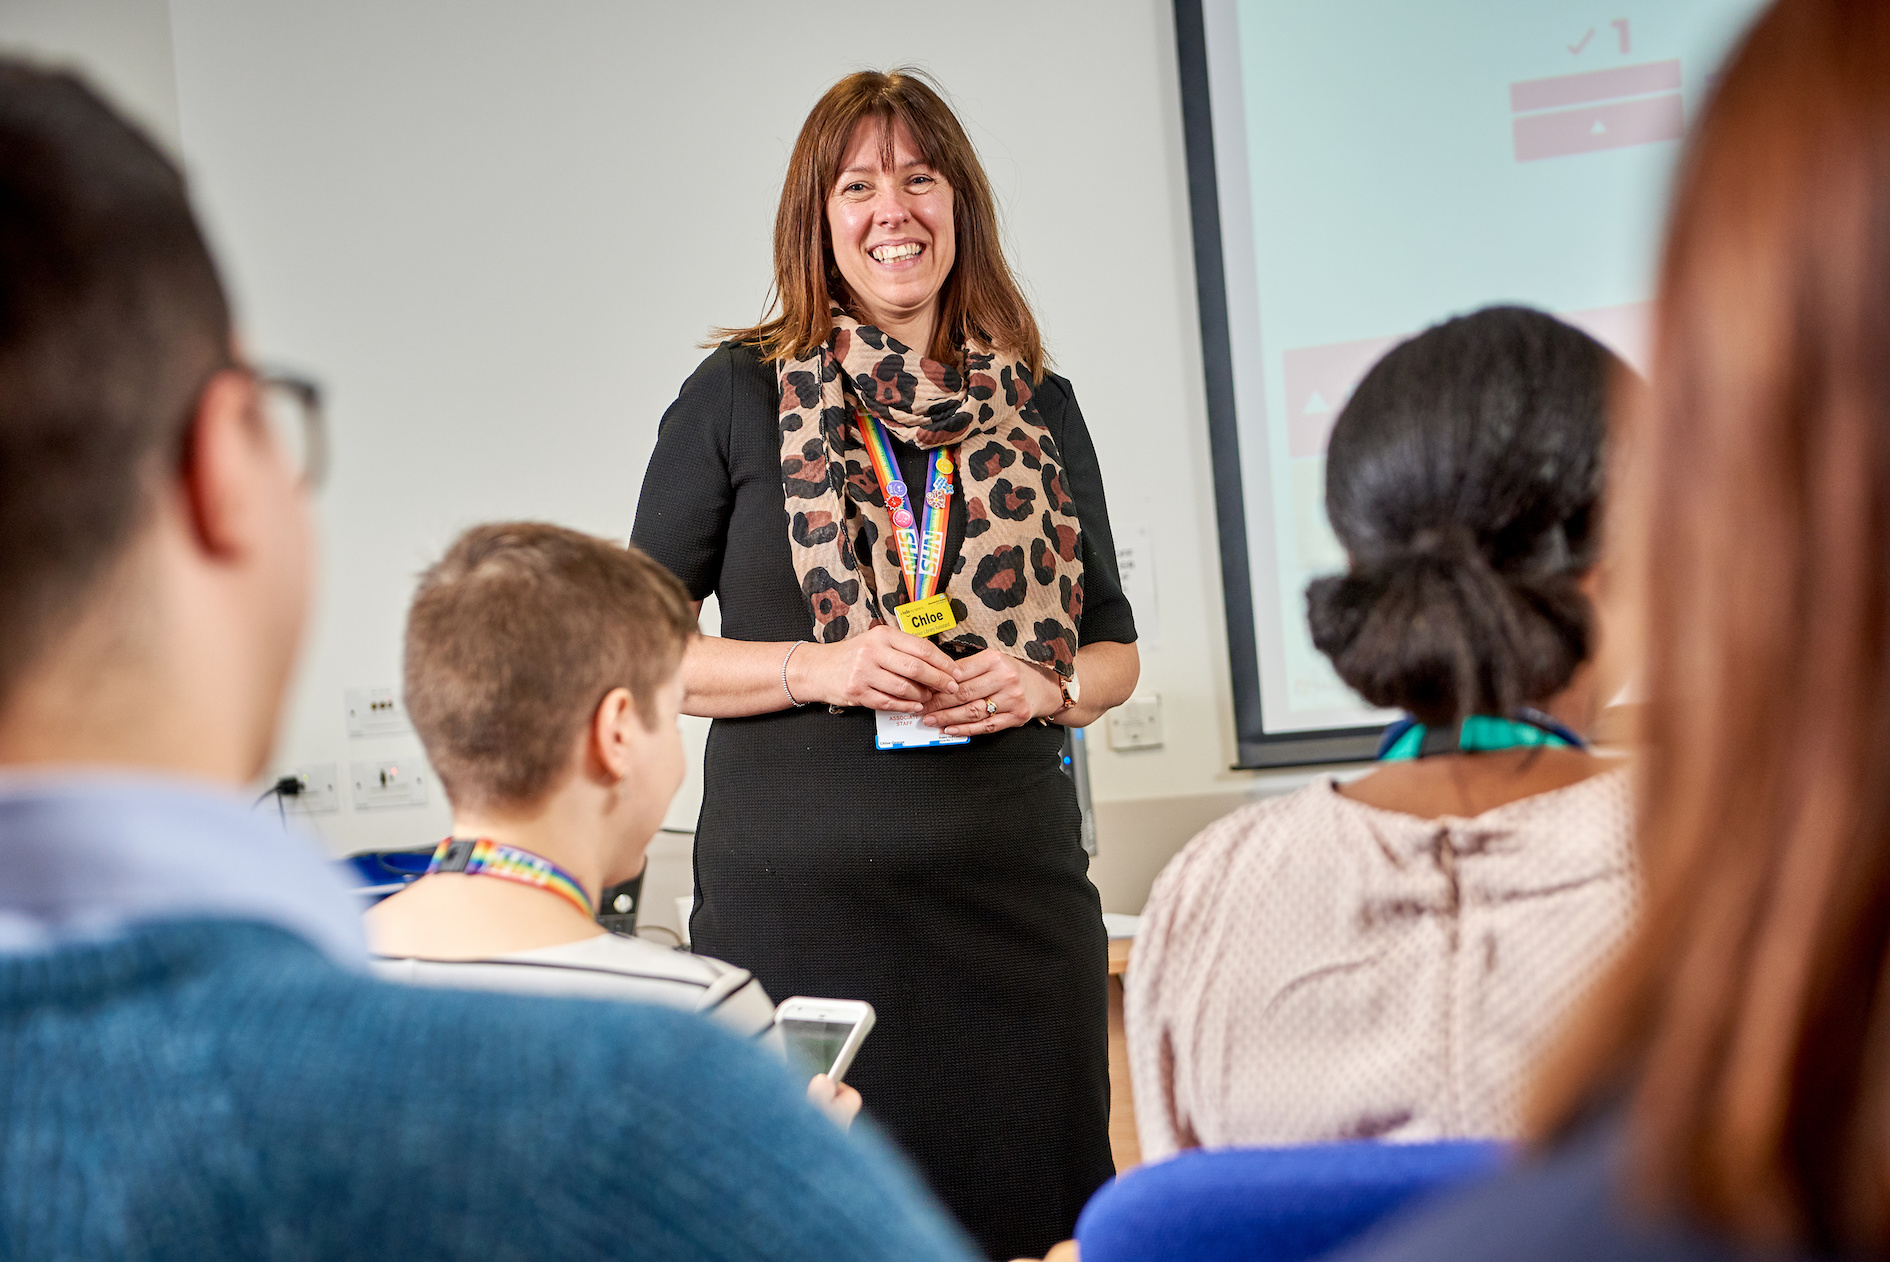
(815, 1044)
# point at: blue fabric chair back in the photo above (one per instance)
(1268, 1204)
(384, 872)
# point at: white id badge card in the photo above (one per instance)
(904, 731)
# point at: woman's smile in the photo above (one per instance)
(896, 254)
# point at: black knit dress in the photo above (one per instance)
(947, 886)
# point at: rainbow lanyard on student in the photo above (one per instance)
(1476, 734)
(508, 863)
(922, 544)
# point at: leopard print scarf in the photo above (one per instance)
(1022, 542)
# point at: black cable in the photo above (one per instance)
(283, 789)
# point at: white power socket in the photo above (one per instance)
(376, 712)
(390, 782)
(321, 788)
(1137, 723)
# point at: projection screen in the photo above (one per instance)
(1360, 170)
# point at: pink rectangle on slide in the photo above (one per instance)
(1320, 379)
(1625, 330)
(1596, 85)
(1595, 127)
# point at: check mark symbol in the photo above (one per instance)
(1577, 48)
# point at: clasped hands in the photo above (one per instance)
(890, 669)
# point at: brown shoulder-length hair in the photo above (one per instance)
(981, 297)
(1748, 1024)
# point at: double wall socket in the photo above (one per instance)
(1136, 723)
(376, 712)
(389, 782)
(321, 788)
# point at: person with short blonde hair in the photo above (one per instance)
(515, 635)
(541, 678)
(884, 814)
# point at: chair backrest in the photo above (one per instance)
(378, 873)
(1268, 1204)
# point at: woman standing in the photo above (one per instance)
(884, 814)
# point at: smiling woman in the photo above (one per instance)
(888, 455)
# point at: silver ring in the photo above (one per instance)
(990, 705)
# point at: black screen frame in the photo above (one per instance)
(1257, 747)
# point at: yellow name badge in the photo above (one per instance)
(927, 617)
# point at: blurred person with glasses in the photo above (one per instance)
(291, 406)
(194, 1059)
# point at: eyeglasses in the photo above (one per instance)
(291, 407)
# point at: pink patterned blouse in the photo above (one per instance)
(1310, 968)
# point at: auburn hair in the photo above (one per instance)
(1748, 1023)
(515, 636)
(981, 298)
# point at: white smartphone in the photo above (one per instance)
(822, 1035)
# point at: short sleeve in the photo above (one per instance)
(738, 1002)
(1107, 615)
(688, 496)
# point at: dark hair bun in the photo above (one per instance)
(1464, 479)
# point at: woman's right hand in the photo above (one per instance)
(885, 669)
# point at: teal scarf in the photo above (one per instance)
(1480, 733)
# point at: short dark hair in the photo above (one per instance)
(515, 636)
(112, 319)
(1464, 479)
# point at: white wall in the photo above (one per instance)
(496, 232)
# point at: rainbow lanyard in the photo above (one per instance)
(508, 863)
(921, 550)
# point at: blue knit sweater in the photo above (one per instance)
(218, 1089)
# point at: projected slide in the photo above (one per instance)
(1382, 164)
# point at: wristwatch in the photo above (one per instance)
(1072, 693)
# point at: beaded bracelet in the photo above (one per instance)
(784, 688)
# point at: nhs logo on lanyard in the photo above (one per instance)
(930, 551)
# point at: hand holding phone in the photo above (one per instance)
(822, 1035)
(837, 1100)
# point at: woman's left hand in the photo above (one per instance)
(1020, 691)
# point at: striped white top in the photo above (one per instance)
(609, 966)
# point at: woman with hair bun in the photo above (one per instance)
(1385, 957)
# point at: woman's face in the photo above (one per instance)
(891, 229)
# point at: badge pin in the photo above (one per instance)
(894, 501)
(896, 488)
(945, 464)
(901, 518)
